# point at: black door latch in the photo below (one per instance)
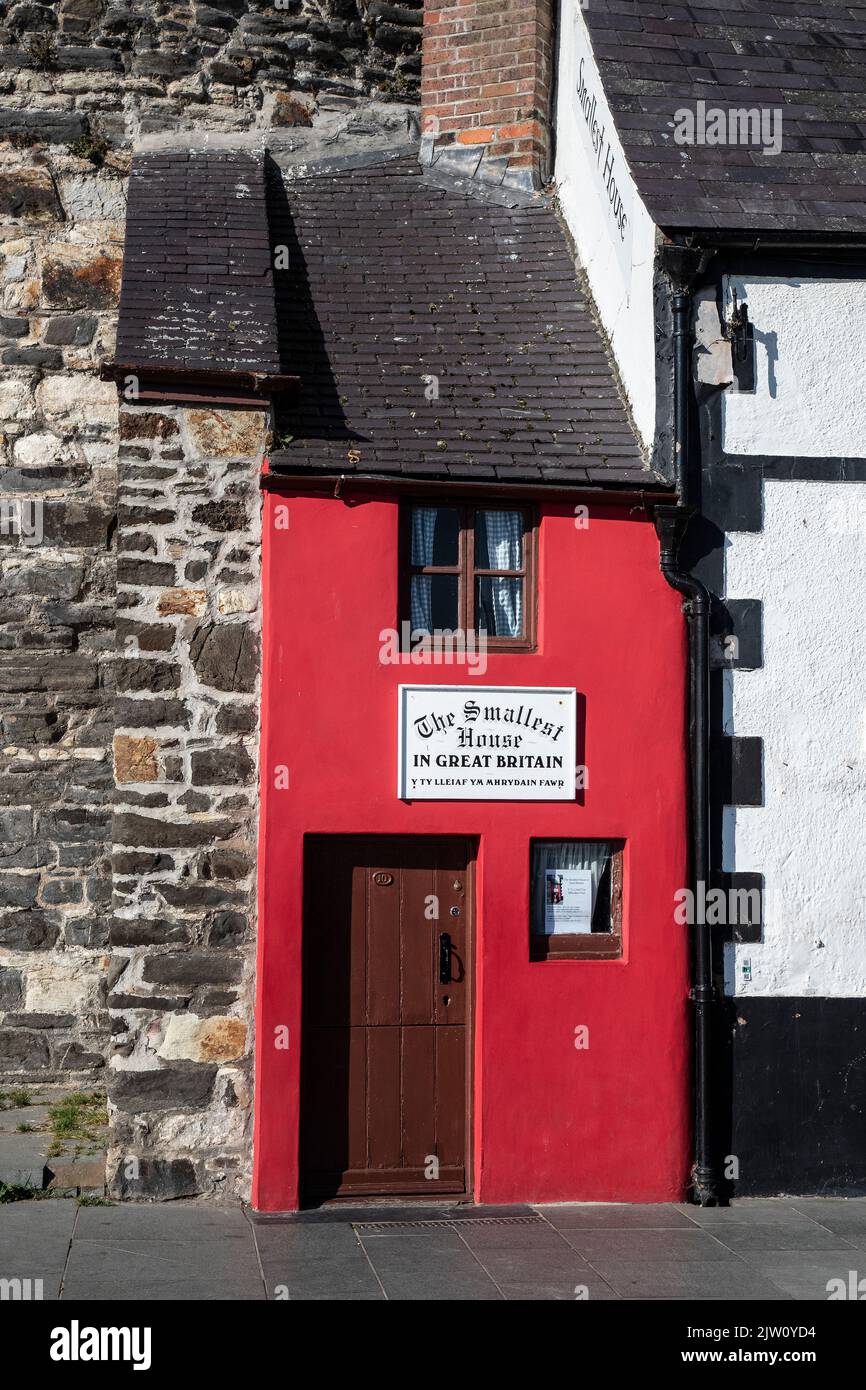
(444, 958)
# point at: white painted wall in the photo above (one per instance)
(810, 339)
(620, 275)
(808, 703)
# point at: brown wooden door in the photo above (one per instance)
(386, 1045)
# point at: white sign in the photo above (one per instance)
(496, 743)
(567, 901)
(603, 149)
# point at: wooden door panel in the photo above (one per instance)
(418, 930)
(410, 1182)
(385, 1046)
(356, 1148)
(419, 1096)
(450, 1083)
(451, 998)
(382, 1099)
(353, 940)
(383, 946)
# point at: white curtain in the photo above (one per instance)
(565, 854)
(503, 532)
(421, 596)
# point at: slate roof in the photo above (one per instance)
(399, 285)
(809, 60)
(197, 290)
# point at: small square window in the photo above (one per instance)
(575, 899)
(470, 569)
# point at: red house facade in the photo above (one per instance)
(565, 1077)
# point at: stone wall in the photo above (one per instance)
(61, 234)
(146, 959)
(111, 70)
(184, 825)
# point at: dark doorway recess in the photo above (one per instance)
(387, 1004)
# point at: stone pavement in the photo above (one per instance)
(778, 1249)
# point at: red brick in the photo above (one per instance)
(486, 74)
(479, 136)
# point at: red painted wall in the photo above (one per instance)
(551, 1122)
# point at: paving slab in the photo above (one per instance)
(45, 1279)
(348, 1277)
(614, 1217)
(87, 1174)
(755, 1210)
(806, 1276)
(428, 1268)
(35, 1240)
(802, 1236)
(156, 1269)
(528, 1275)
(847, 1219)
(694, 1246)
(309, 1242)
(170, 1221)
(705, 1281)
(19, 1249)
(23, 1158)
(14, 1115)
(38, 1219)
(537, 1238)
(827, 1206)
(428, 1238)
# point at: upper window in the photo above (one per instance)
(472, 569)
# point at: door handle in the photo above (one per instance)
(444, 958)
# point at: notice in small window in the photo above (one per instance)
(567, 901)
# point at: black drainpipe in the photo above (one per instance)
(683, 265)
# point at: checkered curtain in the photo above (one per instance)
(504, 535)
(504, 531)
(421, 599)
(566, 854)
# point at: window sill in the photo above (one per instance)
(585, 946)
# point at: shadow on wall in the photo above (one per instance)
(315, 411)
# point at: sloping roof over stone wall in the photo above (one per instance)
(399, 286)
(807, 60)
(198, 291)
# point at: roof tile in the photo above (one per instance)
(440, 334)
(197, 287)
(809, 63)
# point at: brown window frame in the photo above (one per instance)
(585, 945)
(466, 572)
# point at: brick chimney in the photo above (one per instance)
(485, 88)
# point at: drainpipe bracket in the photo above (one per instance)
(671, 523)
(702, 994)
